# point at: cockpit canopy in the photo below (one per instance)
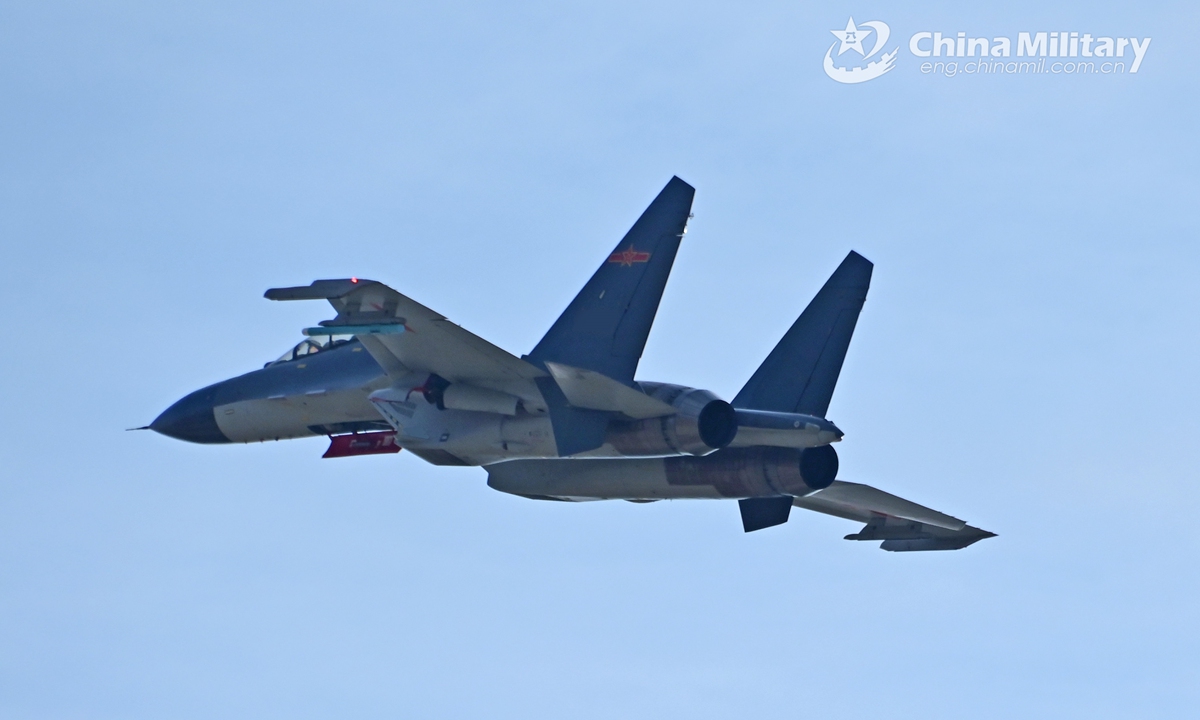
(310, 346)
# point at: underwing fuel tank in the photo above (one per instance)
(729, 473)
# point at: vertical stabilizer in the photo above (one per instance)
(606, 325)
(801, 372)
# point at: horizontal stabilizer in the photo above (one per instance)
(902, 525)
(319, 290)
(801, 372)
(856, 497)
(592, 391)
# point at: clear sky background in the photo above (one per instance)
(1027, 359)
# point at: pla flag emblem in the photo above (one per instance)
(629, 256)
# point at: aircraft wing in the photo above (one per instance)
(406, 337)
(901, 525)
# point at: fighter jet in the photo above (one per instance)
(569, 421)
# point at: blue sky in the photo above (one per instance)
(1026, 359)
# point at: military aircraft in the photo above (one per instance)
(568, 421)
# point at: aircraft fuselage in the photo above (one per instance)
(343, 390)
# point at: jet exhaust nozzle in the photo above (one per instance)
(701, 424)
(758, 472)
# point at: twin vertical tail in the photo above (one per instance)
(801, 372)
(605, 327)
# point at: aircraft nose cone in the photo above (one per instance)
(191, 419)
